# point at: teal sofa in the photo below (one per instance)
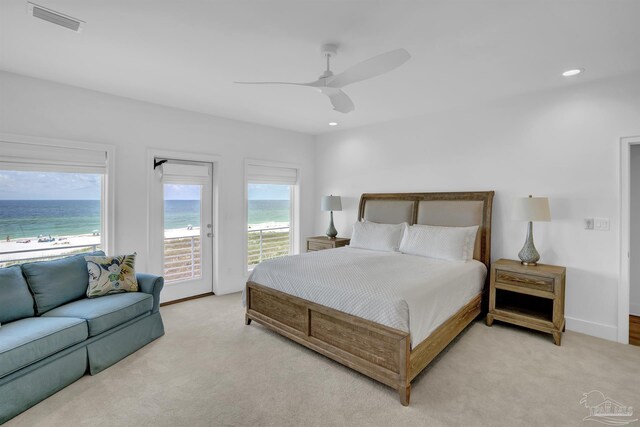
(51, 334)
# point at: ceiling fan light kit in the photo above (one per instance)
(331, 85)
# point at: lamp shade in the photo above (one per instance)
(331, 203)
(531, 209)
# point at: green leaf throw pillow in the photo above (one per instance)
(111, 275)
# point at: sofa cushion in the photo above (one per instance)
(58, 282)
(26, 341)
(16, 301)
(106, 312)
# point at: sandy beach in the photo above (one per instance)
(29, 247)
(268, 226)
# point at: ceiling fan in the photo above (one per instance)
(331, 85)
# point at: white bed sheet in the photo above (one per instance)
(411, 293)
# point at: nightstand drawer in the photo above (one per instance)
(320, 243)
(525, 280)
(318, 246)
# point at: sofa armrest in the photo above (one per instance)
(151, 284)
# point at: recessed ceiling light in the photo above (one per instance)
(333, 123)
(573, 72)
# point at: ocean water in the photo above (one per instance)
(181, 213)
(261, 211)
(30, 218)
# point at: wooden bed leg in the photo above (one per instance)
(405, 395)
(247, 320)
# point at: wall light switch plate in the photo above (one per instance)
(588, 223)
(601, 224)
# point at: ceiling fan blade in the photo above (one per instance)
(340, 101)
(372, 67)
(312, 84)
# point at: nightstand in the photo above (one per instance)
(319, 243)
(529, 296)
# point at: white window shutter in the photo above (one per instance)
(180, 173)
(22, 156)
(271, 174)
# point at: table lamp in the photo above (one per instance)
(331, 203)
(531, 209)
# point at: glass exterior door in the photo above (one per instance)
(187, 234)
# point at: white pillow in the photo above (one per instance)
(377, 237)
(450, 243)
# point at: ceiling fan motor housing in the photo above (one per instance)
(329, 49)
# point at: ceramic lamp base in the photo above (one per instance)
(331, 231)
(528, 254)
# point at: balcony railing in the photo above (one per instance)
(182, 255)
(10, 258)
(267, 243)
(182, 258)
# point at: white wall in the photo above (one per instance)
(39, 108)
(562, 144)
(634, 282)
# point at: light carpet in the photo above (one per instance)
(212, 370)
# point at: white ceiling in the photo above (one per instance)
(186, 54)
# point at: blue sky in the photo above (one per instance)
(256, 192)
(269, 192)
(24, 185)
(181, 192)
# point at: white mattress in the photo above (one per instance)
(406, 292)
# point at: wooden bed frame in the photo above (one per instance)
(375, 350)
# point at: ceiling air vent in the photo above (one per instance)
(54, 17)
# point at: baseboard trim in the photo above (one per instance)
(634, 309)
(175, 301)
(600, 330)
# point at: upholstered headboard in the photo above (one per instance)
(447, 209)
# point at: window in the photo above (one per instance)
(52, 201)
(270, 194)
